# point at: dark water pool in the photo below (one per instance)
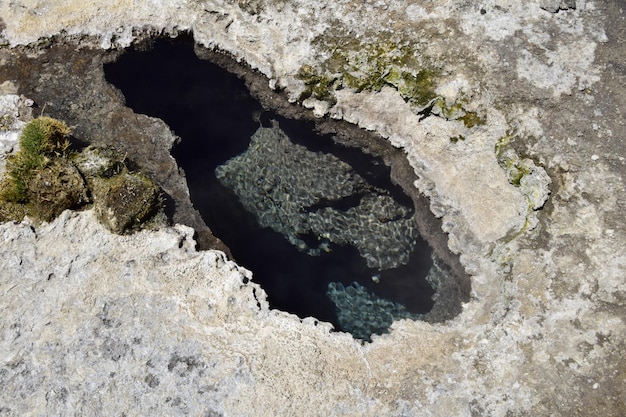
(215, 116)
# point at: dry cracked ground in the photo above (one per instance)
(522, 159)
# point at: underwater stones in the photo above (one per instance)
(363, 313)
(553, 6)
(382, 219)
(314, 199)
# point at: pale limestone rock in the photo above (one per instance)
(145, 324)
(14, 113)
(431, 154)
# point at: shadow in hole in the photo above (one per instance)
(214, 114)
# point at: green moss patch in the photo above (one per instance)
(45, 177)
(41, 139)
(457, 111)
(369, 66)
(56, 187)
(513, 165)
(471, 119)
(373, 62)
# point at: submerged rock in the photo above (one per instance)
(363, 313)
(314, 199)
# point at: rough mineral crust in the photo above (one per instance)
(97, 324)
(300, 194)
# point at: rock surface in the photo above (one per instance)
(99, 324)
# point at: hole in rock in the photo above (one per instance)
(324, 230)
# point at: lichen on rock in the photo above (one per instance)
(125, 201)
(368, 66)
(457, 111)
(532, 180)
(315, 199)
(100, 162)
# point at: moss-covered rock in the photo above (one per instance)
(316, 200)
(44, 178)
(42, 138)
(40, 181)
(100, 162)
(125, 201)
(56, 187)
